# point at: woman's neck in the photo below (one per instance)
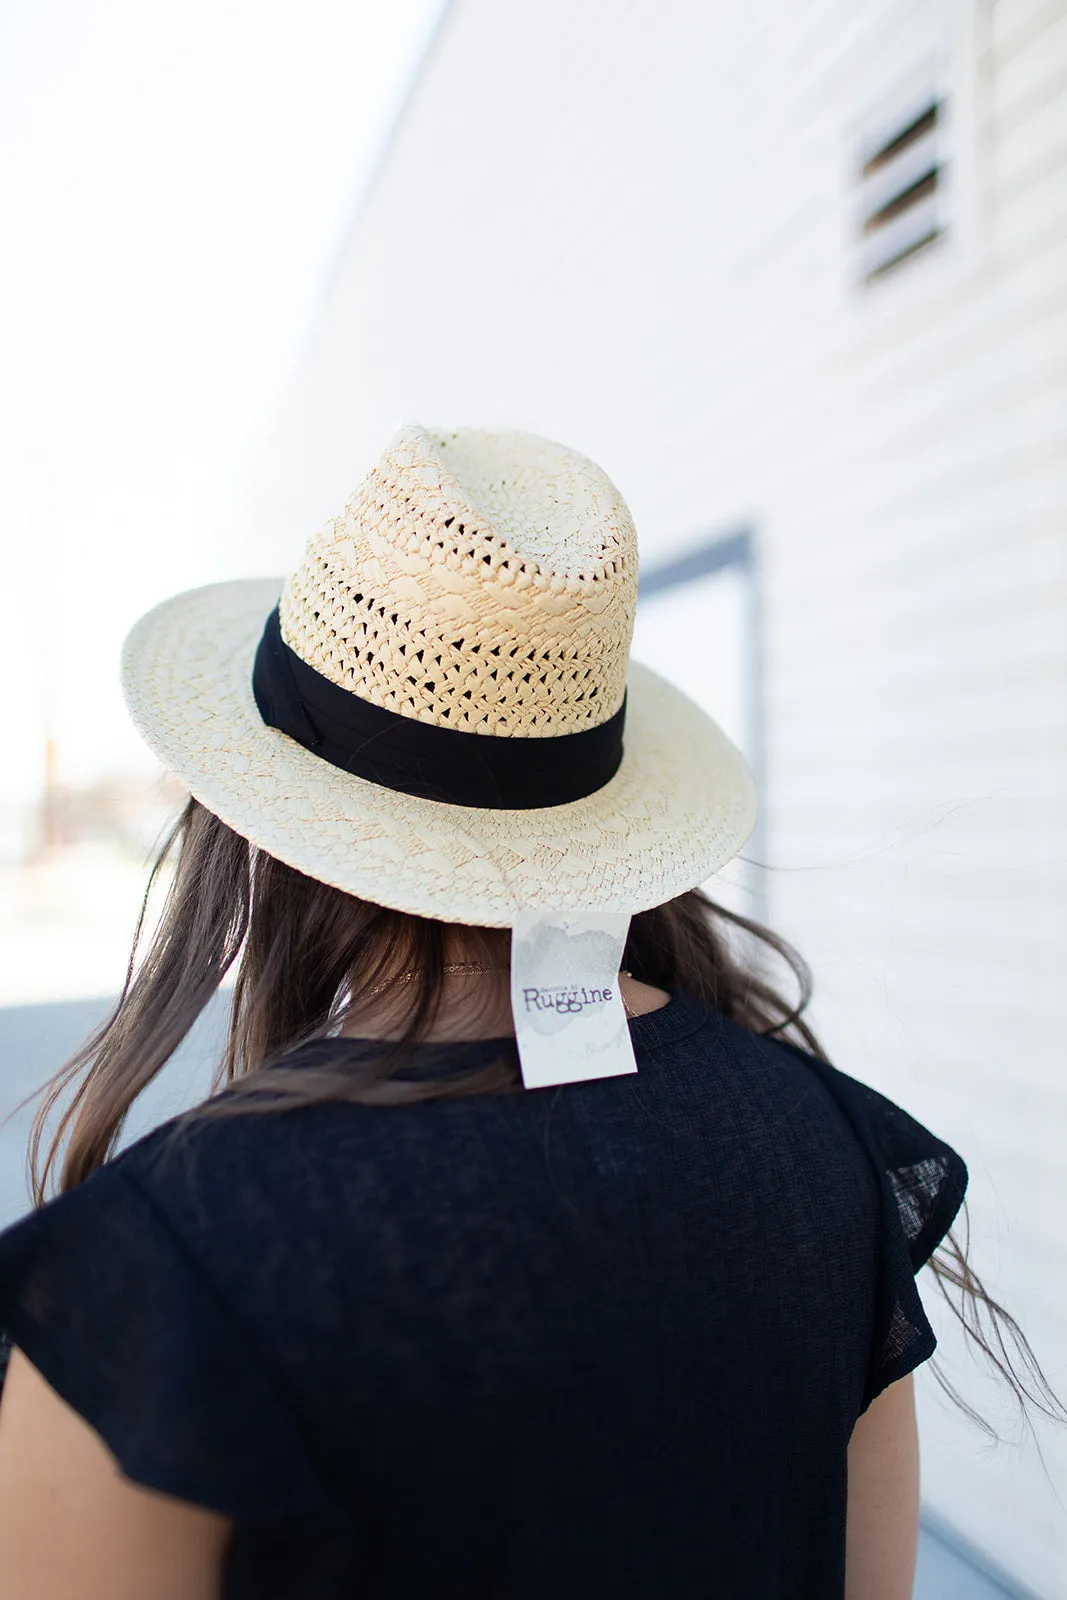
(475, 1002)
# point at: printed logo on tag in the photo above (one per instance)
(570, 1024)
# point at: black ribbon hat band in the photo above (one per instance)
(419, 758)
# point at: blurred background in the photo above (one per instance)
(795, 274)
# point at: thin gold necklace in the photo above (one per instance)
(477, 969)
(467, 967)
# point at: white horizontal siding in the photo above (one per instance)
(629, 228)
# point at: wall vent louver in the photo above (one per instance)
(901, 186)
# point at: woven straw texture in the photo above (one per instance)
(495, 595)
(477, 581)
(680, 806)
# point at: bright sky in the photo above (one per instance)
(175, 185)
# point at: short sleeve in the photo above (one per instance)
(107, 1304)
(922, 1182)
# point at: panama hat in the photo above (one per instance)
(437, 710)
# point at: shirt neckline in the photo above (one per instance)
(682, 1015)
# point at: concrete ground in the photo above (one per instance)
(35, 1039)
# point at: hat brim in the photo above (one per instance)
(680, 806)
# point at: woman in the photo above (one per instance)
(376, 1319)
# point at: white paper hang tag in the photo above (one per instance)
(570, 1024)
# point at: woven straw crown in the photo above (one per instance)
(484, 582)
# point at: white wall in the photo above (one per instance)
(173, 185)
(628, 227)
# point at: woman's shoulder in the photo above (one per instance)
(877, 1121)
(834, 1135)
(925, 1176)
(109, 1292)
(805, 1101)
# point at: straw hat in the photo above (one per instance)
(437, 711)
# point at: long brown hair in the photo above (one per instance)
(308, 955)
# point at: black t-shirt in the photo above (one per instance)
(606, 1339)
